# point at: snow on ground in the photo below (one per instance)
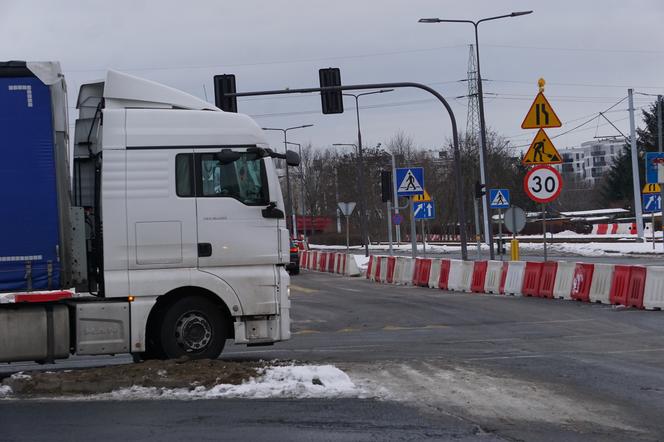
(291, 381)
(6, 298)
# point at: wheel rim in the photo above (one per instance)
(193, 332)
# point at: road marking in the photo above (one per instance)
(349, 290)
(426, 327)
(348, 330)
(305, 332)
(297, 288)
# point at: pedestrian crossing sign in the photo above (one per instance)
(410, 181)
(541, 151)
(499, 198)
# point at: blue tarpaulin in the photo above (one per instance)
(29, 222)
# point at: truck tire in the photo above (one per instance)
(193, 327)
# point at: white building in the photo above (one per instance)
(589, 162)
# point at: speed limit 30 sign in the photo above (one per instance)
(543, 184)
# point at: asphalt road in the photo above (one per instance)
(437, 365)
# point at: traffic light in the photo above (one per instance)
(332, 101)
(225, 84)
(386, 185)
(480, 190)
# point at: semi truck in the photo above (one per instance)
(170, 231)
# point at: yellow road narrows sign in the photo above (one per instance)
(651, 188)
(541, 151)
(540, 115)
(422, 198)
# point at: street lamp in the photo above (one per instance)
(363, 221)
(289, 201)
(488, 234)
(299, 151)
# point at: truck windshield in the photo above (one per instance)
(244, 179)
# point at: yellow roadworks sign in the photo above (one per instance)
(540, 115)
(652, 188)
(422, 198)
(541, 151)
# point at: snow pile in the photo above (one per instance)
(5, 391)
(21, 376)
(291, 381)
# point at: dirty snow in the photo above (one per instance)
(465, 391)
(291, 381)
(5, 391)
(21, 375)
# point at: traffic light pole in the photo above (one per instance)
(455, 136)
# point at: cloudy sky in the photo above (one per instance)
(589, 52)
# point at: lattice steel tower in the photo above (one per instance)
(473, 117)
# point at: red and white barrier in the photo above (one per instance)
(653, 296)
(562, 288)
(600, 286)
(434, 273)
(632, 286)
(494, 271)
(514, 279)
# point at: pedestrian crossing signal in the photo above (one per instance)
(541, 151)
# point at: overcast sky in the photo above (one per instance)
(589, 52)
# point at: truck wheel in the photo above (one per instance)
(193, 327)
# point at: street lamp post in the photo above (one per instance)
(302, 199)
(488, 234)
(363, 220)
(289, 201)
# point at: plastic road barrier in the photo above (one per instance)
(562, 288)
(494, 271)
(514, 279)
(619, 283)
(370, 266)
(479, 277)
(548, 279)
(416, 271)
(444, 277)
(351, 266)
(383, 269)
(454, 278)
(466, 275)
(303, 259)
(600, 287)
(583, 276)
(331, 258)
(377, 266)
(531, 279)
(425, 271)
(434, 273)
(636, 286)
(653, 295)
(389, 273)
(503, 277)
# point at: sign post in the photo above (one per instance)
(410, 182)
(347, 210)
(542, 183)
(515, 221)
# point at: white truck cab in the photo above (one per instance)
(183, 228)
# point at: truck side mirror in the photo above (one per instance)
(292, 158)
(228, 156)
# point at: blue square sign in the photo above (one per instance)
(652, 171)
(410, 181)
(499, 198)
(424, 210)
(652, 202)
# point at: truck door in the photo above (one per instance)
(232, 230)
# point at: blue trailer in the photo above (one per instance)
(34, 178)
